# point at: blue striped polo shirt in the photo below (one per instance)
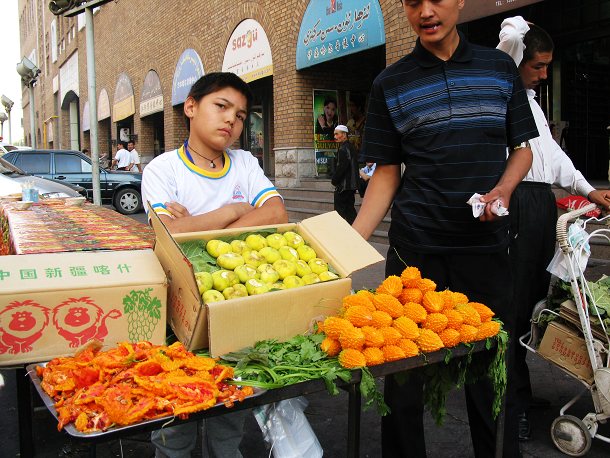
(449, 123)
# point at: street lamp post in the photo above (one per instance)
(29, 75)
(3, 117)
(8, 105)
(71, 8)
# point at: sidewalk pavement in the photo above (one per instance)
(328, 417)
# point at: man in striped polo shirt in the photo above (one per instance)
(448, 111)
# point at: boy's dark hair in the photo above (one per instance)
(216, 81)
(123, 144)
(536, 40)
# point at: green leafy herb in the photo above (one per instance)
(272, 364)
(372, 395)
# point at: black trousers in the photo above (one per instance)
(344, 204)
(533, 215)
(483, 278)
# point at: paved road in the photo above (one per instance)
(328, 417)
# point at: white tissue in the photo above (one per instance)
(478, 207)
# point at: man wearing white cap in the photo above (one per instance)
(345, 176)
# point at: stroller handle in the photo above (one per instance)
(562, 225)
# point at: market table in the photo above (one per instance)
(24, 392)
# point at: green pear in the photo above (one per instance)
(285, 268)
(294, 240)
(276, 241)
(289, 253)
(223, 279)
(268, 274)
(292, 281)
(212, 295)
(302, 268)
(306, 253)
(245, 272)
(270, 254)
(318, 265)
(238, 246)
(253, 258)
(328, 275)
(255, 286)
(217, 247)
(235, 291)
(204, 281)
(256, 242)
(230, 260)
(277, 285)
(310, 279)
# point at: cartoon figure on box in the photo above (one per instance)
(81, 320)
(21, 324)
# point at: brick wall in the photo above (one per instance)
(135, 36)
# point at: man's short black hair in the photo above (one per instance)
(536, 40)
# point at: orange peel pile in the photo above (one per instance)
(133, 382)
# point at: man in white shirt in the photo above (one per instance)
(135, 157)
(533, 210)
(122, 159)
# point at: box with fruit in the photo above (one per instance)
(233, 287)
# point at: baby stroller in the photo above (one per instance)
(570, 434)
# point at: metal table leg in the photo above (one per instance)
(353, 421)
(24, 413)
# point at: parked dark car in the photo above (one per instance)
(121, 189)
(47, 189)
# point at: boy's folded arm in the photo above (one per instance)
(272, 211)
(216, 219)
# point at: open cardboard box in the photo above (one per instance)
(565, 347)
(231, 325)
(52, 304)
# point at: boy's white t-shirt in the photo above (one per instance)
(172, 177)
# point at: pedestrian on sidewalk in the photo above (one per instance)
(122, 159)
(204, 185)
(440, 112)
(135, 157)
(533, 211)
(345, 175)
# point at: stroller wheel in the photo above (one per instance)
(571, 435)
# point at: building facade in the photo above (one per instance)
(297, 55)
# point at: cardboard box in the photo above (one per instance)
(52, 304)
(566, 348)
(230, 325)
(50, 226)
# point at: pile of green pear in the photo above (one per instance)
(259, 265)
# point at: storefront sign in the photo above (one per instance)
(336, 28)
(68, 77)
(103, 105)
(86, 123)
(124, 103)
(248, 53)
(188, 70)
(476, 9)
(152, 96)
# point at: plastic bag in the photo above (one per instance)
(287, 430)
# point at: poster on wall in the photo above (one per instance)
(325, 119)
(356, 113)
